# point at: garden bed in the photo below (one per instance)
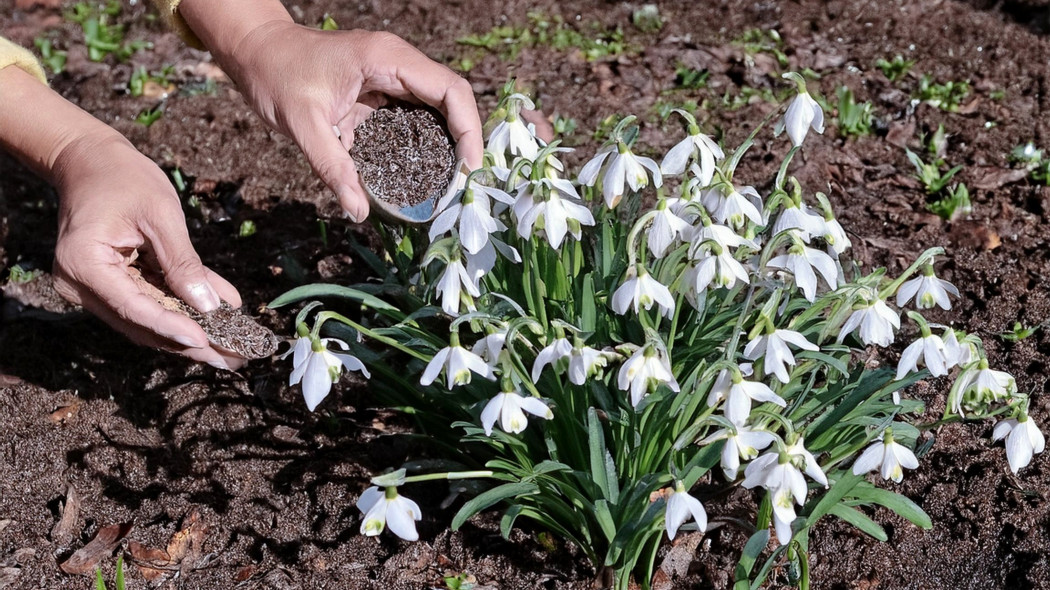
(150, 440)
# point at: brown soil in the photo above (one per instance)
(149, 439)
(404, 156)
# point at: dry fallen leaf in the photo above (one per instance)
(69, 523)
(152, 563)
(64, 413)
(182, 554)
(87, 557)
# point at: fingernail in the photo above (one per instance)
(220, 365)
(184, 340)
(352, 217)
(338, 133)
(205, 299)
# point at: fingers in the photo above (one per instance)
(226, 290)
(330, 160)
(358, 113)
(183, 271)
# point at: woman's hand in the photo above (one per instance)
(303, 82)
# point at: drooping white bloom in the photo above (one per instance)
(490, 347)
(933, 353)
(680, 508)
(584, 362)
(459, 364)
(835, 236)
(509, 408)
(775, 472)
(734, 206)
(740, 394)
(1023, 440)
(623, 168)
(318, 369)
(473, 212)
(641, 290)
(383, 508)
(480, 264)
(666, 229)
(550, 355)
(959, 354)
(800, 218)
(773, 349)
(977, 385)
(797, 450)
(744, 443)
(802, 115)
(645, 370)
(800, 262)
(553, 206)
(698, 147)
(927, 291)
(888, 456)
(512, 135)
(719, 270)
(453, 282)
(875, 320)
(718, 234)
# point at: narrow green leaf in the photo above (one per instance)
(491, 497)
(100, 584)
(605, 519)
(904, 507)
(860, 520)
(845, 483)
(506, 524)
(320, 290)
(119, 581)
(754, 547)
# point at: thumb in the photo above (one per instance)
(333, 164)
(183, 271)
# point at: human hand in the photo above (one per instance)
(115, 201)
(304, 81)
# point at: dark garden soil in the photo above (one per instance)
(225, 480)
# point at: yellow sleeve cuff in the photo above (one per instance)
(16, 55)
(169, 11)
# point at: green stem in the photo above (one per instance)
(331, 315)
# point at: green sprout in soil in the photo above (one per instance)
(150, 116)
(896, 68)
(564, 126)
(118, 580)
(1031, 158)
(944, 201)
(664, 108)
(930, 174)
(329, 24)
(755, 41)
(101, 35)
(54, 59)
(18, 275)
(141, 77)
(948, 96)
(686, 78)
(462, 581)
(749, 95)
(553, 32)
(954, 203)
(1019, 332)
(647, 19)
(247, 229)
(854, 120)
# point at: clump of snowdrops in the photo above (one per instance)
(608, 351)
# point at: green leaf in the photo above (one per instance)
(754, 547)
(588, 308)
(895, 502)
(119, 581)
(319, 290)
(100, 584)
(605, 519)
(491, 497)
(860, 520)
(506, 524)
(600, 458)
(845, 483)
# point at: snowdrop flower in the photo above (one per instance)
(388, 508)
(810, 467)
(509, 408)
(802, 114)
(645, 370)
(875, 320)
(958, 353)
(622, 168)
(834, 235)
(473, 211)
(480, 264)
(733, 206)
(927, 291)
(512, 135)
(665, 229)
(742, 443)
(931, 350)
(553, 206)
(490, 347)
(641, 290)
(554, 352)
(722, 235)
(739, 395)
(1023, 440)
(775, 472)
(458, 363)
(800, 261)
(584, 362)
(454, 284)
(888, 456)
(317, 368)
(720, 270)
(978, 385)
(680, 508)
(800, 218)
(773, 349)
(696, 146)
